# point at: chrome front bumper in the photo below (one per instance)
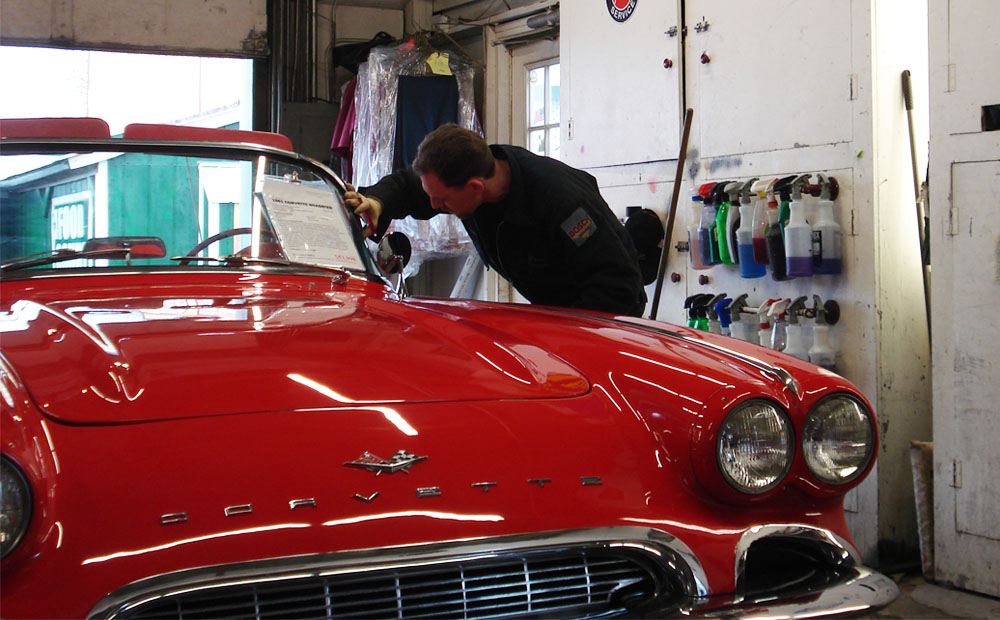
(626, 571)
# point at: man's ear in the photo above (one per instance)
(476, 184)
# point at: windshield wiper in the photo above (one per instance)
(260, 260)
(58, 256)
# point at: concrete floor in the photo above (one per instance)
(919, 599)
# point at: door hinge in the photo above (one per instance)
(956, 474)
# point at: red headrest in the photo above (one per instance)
(141, 131)
(54, 128)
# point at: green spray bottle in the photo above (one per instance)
(721, 198)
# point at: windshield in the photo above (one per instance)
(98, 210)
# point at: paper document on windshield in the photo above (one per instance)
(311, 224)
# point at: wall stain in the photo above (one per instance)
(723, 162)
(996, 262)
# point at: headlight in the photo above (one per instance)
(755, 447)
(838, 439)
(15, 506)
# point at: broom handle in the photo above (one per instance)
(671, 215)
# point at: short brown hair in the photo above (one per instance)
(454, 155)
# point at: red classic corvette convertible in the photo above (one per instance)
(217, 401)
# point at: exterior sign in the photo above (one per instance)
(71, 221)
(621, 10)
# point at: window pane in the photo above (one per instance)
(536, 141)
(536, 97)
(553, 94)
(554, 142)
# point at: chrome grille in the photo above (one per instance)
(550, 583)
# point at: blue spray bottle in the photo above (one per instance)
(749, 268)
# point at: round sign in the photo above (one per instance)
(621, 10)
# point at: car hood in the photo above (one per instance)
(149, 350)
(136, 356)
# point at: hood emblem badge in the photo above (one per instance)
(401, 461)
(362, 498)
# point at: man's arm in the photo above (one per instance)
(394, 197)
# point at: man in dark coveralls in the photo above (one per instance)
(540, 223)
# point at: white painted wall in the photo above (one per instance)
(200, 27)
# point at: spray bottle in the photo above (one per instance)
(783, 189)
(744, 236)
(764, 323)
(700, 308)
(714, 324)
(795, 339)
(721, 198)
(695, 306)
(822, 352)
(689, 309)
(744, 330)
(694, 241)
(775, 246)
(765, 200)
(725, 321)
(733, 191)
(779, 323)
(706, 226)
(798, 234)
(826, 231)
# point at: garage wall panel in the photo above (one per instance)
(205, 27)
(770, 77)
(620, 103)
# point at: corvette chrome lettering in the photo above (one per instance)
(241, 509)
(173, 517)
(401, 461)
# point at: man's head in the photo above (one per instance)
(453, 164)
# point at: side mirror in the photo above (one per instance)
(394, 253)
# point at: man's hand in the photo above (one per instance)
(364, 206)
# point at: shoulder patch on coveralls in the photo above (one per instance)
(579, 226)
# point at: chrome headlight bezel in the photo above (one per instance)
(764, 415)
(821, 456)
(16, 500)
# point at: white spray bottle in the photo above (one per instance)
(798, 234)
(822, 352)
(826, 230)
(795, 339)
(764, 325)
(779, 322)
(738, 328)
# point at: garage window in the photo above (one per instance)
(543, 109)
